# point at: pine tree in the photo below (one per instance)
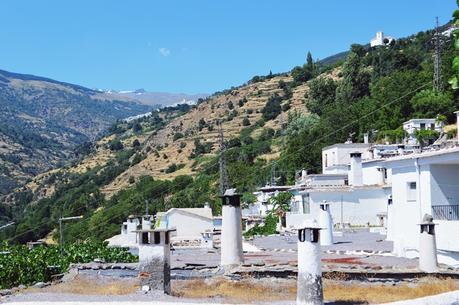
(310, 62)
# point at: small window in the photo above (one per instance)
(145, 240)
(157, 237)
(306, 204)
(423, 126)
(411, 192)
(432, 126)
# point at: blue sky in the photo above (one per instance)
(192, 46)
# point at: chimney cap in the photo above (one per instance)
(230, 193)
(427, 220)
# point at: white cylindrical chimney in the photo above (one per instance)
(365, 138)
(355, 174)
(147, 221)
(427, 246)
(309, 284)
(231, 237)
(326, 224)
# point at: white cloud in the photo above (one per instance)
(164, 52)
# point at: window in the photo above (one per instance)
(432, 126)
(411, 192)
(423, 126)
(145, 240)
(306, 204)
(157, 237)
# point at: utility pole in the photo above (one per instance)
(273, 173)
(224, 182)
(437, 83)
(61, 236)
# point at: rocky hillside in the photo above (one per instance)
(168, 141)
(43, 120)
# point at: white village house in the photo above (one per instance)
(387, 185)
(425, 183)
(411, 126)
(194, 226)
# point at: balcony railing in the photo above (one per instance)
(445, 212)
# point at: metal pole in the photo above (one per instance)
(342, 221)
(61, 237)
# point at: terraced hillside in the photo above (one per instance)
(42, 121)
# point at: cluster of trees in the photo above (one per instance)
(308, 71)
(378, 90)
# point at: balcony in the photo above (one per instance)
(445, 212)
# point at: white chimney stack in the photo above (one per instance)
(326, 224)
(309, 283)
(231, 238)
(427, 246)
(355, 174)
(365, 138)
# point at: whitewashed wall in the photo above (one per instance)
(359, 206)
(187, 225)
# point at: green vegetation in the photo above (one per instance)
(272, 108)
(377, 91)
(19, 265)
(281, 204)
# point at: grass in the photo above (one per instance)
(249, 290)
(379, 293)
(93, 286)
(239, 291)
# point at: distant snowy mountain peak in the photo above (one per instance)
(156, 98)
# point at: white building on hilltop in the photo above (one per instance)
(381, 40)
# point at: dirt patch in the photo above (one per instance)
(341, 292)
(93, 286)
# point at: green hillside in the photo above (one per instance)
(373, 90)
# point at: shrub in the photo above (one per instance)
(246, 122)
(272, 108)
(178, 135)
(136, 143)
(115, 145)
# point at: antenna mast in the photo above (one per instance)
(437, 83)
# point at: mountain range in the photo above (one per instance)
(156, 98)
(43, 120)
